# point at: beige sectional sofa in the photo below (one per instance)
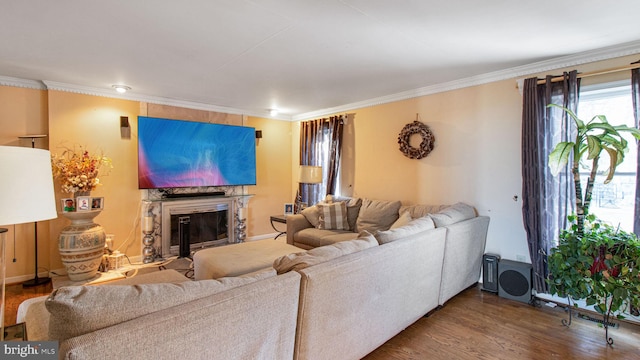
(466, 232)
(339, 301)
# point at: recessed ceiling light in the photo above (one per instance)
(273, 112)
(121, 88)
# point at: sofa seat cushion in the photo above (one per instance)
(317, 237)
(453, 214)
(415, 226)
(77, 310)
(301, 260)
(377, 215)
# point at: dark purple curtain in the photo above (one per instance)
(321, 145)
(546, 199)
(635, 95)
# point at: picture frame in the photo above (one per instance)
(97, 203)
(288, 209)
(83, 203)
(68, 205)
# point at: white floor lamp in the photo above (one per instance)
(26, 195)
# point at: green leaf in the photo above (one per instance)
(593, 144)
(559, 157)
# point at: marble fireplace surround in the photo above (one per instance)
(160, 208)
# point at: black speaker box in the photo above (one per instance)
(514, 280)
(490, 272)
(183, 233)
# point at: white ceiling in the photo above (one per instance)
(304, 57)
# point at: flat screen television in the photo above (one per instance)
(176, 153)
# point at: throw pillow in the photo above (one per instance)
(403, 220)
(413, 227)
(333, 216)
(77, 310)
(353, 208)
(301, 260)
(377, 215)
(453, 214)
(312, 215)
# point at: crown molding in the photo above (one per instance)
(110, 93)
(23, 83)
(606, 53)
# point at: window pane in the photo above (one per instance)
(613, 202)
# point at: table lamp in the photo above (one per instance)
(308, 175)
(26, 195)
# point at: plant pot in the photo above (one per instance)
(81, 245)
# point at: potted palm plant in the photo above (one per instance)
(594, 261)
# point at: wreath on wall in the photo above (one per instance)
(426, 145)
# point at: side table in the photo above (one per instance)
(279, 219)
(17, 332)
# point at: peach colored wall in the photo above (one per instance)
(273, 153)
(75, 119)
(24, 112)
(476, 158)
(94, 122)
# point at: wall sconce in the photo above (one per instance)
(125, 129)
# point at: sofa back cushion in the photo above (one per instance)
(301, 260)
(417, 211)
(77, 310)
(413, 227)
(453, 214)
(377, 215)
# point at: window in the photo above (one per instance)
(613, 202)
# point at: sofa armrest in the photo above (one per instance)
(296, 223)
(35, 315)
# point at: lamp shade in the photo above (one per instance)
(310, 174)
(26, 185)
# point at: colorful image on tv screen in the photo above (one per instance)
(176, 153)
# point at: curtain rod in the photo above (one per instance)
(594, 73)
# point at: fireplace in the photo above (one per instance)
(192, 224)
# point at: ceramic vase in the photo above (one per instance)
(81, 245)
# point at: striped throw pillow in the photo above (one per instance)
(333, 216)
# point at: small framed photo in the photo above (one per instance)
(68, 205)
(288, 209)
(97, 203)
(83, 203)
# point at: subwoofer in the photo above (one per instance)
(490, 272)
(514, 280)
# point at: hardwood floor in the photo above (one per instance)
(15, 294)
(480, 325)
(474, 325)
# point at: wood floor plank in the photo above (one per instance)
(480, 325)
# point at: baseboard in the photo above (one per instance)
(23, 278)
